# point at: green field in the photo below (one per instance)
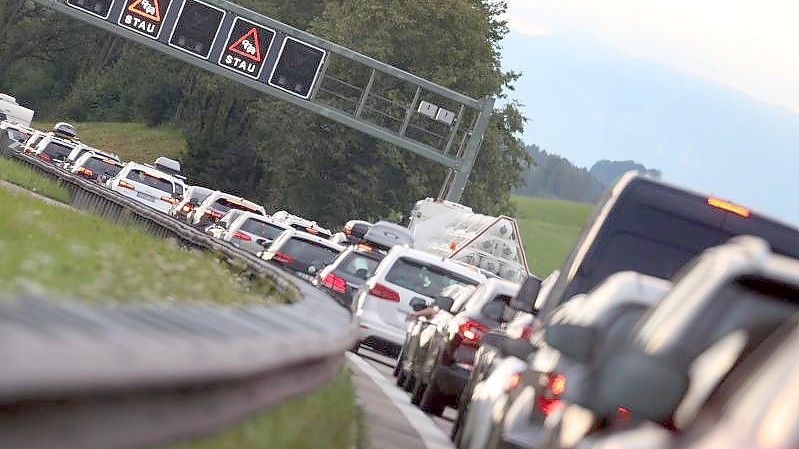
(549, 229)
(22, 176)
(52, 249)
(131, 141)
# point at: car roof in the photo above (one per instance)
(86, 156)
(147, 168)
(265, 218)
(217, 194)
(293, 233)
(622, 288)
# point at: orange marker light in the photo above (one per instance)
(729, 207)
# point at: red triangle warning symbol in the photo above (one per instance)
(248, 45)
(150, 9)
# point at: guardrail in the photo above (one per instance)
(106, 376)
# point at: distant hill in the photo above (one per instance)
(554, 176)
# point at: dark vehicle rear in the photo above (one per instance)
(654, 228)
(349, 272)
(55, 152)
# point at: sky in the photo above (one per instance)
(751, 46)
(707, 91)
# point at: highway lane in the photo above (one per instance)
(385, 366)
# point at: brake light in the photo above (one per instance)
(514, 381)
(85, 171)
(44, 157)
(552, 387)
(169, 200)
(283, 257)
(729, 207)
(186, 208)
(383, 292)
(126, 185)
(310, 230)
(213, 214)
(472, 331)
(241, 236)
(527, 332)
(335, 283)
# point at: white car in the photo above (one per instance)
(148, 186)
(382, 305)
(302, 224)
(252, 232)
(216, 205)
(54, 150)
(96, 168)
(193, 197)
(82, 149)
(17, 133)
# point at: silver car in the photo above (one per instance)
(253, 232)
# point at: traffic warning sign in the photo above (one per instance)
(144, 16)
(246, 49)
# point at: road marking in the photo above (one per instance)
(430, 434)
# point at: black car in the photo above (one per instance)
(302, 254)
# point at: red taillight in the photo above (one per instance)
(514, 381)
(44, 157)
(335, 283)
(213, 214)
(169, 200)
(186, 208)
(241, 236)
(527, 332)
(283, 257)
(471, 331)
(126, 185)
(383, 292)
(85, 171)
(552, 386)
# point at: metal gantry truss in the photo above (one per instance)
(380, 100)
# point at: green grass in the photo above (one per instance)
(325, 419)
(52, 249)
(22, 176)
(549, 229)
(131, 141)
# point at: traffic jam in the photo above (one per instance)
(672, 322)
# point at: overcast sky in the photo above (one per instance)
(752, 46)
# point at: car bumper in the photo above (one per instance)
(451, 380)
(373, 327)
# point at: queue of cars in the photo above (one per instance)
(652, 335)
(672, 323)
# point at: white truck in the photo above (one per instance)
(12, 112)
(455, 231)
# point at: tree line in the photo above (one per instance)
(261, 148)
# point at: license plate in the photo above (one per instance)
(145, 196)
(304, 276)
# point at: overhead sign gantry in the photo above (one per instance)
(340, 84)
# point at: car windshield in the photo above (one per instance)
(261, 228)
(16, 135)
(100, 166)
(223, 205)
(200, 195)
(309, 253)
(358, 265)
(424, 279)
(153, 181)
(57, 151)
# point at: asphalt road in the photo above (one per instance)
(385, 365)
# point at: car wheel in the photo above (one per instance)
(433, 401)
(418, 391)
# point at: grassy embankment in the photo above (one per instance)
(549, 229)
(45, 248)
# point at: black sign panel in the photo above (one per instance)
(99, 8)
(297, 67)
(196, 28)
(246, 48)
(144, 16)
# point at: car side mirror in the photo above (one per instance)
(524, 300)
(418, 304)
(649, 387)
(575, 342)
(444, 303)
(494, 310)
